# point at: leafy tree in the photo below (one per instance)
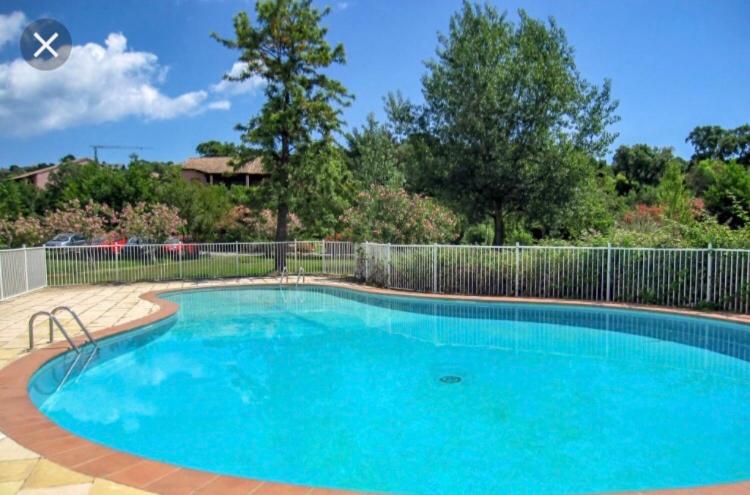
(728, 195)
(17, 199)
(86, 182)
(674, 194)
(216, 148)
(324, 188)
(594, 207)
(286, 46)
(715, 142)
(202, 206)
(372, 155)
(513, 119)
(639, 166)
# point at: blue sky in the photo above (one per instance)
(145, 72)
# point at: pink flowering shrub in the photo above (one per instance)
(91, 220)
(394, 215)
(29, 231)
(155, 222)
(245, 224)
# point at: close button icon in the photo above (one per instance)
(46, 44)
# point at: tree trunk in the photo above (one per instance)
(499, 237)
(282, 213)
(282, 216)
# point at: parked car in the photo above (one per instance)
(139, 249)
(176, 248)
(66, 240)
(106, 247)
(67, 245)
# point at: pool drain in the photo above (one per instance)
(450, 379)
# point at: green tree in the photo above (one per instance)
(728, 193)
(639, 166)
(674, 195)
(372, 155)
(513, 119)
(286, 46)
(17, 199)
(86, 182)
(594, 207)
(717, 143)
(216, 148)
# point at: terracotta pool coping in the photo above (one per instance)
(26, 425)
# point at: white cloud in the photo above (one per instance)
(220, 105)
(97, 84)
(249, 85)
(342, 5)
(11, 26)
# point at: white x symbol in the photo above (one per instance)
(45, 45)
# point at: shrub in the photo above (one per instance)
(91, 220)
(393, 215)
(155, 222)
(24, 230)
(246, 224)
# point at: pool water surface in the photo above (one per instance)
(337, 388)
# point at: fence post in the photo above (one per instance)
(609, 271)
(296, 255)
(388, 265)
(518, 267)
(710, 277)
(434, 268)
(26, 266)
(237, 258)
(2, 291)
(367, 262)
(323, 257)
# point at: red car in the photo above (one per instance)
(175, 248)
(107, 247)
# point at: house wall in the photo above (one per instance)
(40, 180)
(195, 176)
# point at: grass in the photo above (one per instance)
(207, 265)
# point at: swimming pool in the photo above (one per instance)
(330, 387)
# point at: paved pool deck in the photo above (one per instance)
(46, 460)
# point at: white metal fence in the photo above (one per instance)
(22, 270)
(693, 278)
(154, 262)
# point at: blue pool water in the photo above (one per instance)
(336, 388)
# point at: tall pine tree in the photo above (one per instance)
(286, 47)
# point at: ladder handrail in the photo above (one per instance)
(52, 321)
(78, 320)
(285, 271)
(301, 273)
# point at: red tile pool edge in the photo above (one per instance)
(26, 425)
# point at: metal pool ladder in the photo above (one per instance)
(54, 322)
(284, 273)
(301, 274)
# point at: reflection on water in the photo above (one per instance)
(514, 327)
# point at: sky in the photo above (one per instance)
(146, 72)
